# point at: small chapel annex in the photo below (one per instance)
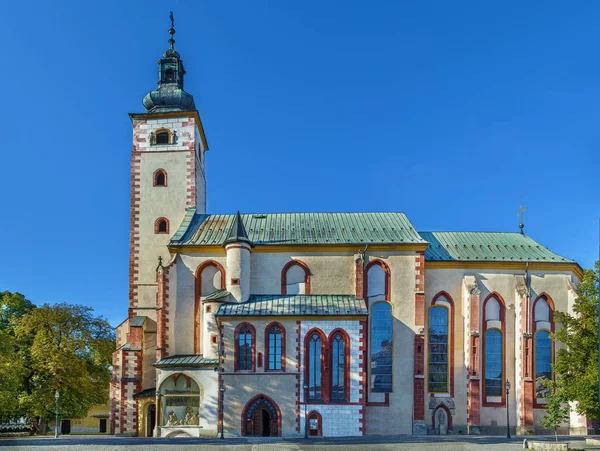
(329, 324)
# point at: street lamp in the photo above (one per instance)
(305, 419)
(56, 424)
(507, 386)
(222, 390)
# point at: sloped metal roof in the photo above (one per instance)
(296, 305)
(186, 361)
(299, 228)
(137, 321)
(148, 393)
(219, 294)
(486, 246)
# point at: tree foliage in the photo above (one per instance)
(556, 410)
(43, 349)
(577, 362)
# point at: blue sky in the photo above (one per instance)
(452, 112)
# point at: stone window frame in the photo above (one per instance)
(436, 302)
(535, 330)
(155, 176)
(285, 270)
(158, 226)
(267, 346)
(502, 331)
(244, 328)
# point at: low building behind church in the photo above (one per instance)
(329, 324)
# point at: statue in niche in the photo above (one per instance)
(191, 419)
(172, 419)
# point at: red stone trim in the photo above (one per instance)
(319, 422)
(198, 294)
(386, 270)
(249, 403)
(158, 223)
(267, 347)
(298, 389)
(324, 364)
(362, 376)
(551, 308)
(284, 271)
(359, 278)
(134, 234)
(346, 340)
(190, 170)
(420, 272)
(502, 329)
(155, 177)
(236, 354)
(162, 307)
(526, 410)
(419, 378)
(451, 335)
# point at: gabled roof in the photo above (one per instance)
(299, 229)
(486, 246)
(296, 305)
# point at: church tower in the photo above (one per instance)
(167, 175)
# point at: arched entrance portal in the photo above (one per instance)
(151, 420)
(261, 418)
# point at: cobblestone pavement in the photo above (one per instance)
(400, 443)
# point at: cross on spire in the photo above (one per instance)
(171, 30)
(522, 210)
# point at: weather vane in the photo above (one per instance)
(172, 19)
(520, 215)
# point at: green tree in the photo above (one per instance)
(66, 348)
(556, 413)
(12, 307)
(577, 362)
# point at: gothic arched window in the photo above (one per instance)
(161, 225)
(340, 366)
(245, 343)
(382, 347)
(439, 335)
(543, 349)
(160, 178)
(493, 345)
(275, 347)
(162, 137)
(377, 285)
(314, 364)
(295, 278)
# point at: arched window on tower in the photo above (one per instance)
(493, 345)
(169, 75)
(439, 336)
(161, 225)
(160, 178)
(245, 347)
(295, 278)
(162, 137)
(210, 278)
(543, 326)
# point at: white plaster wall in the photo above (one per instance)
(181, 309)
(238, 267)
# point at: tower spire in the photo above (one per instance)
(171, 31)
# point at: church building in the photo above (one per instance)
(324, 324)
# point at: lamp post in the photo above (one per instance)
(56, 424)
(305, 419)
(222, 390)
(507, 386)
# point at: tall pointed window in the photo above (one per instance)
(245, 347)
(543, 326)
(493, 345)
(295, 278)
(377, 290)
(439, 338)
(275, 347)
(314, 365)
(339, 367)
(160, 178)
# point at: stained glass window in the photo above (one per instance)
(493, 363)
(381, 347)
(438, 349)
(314, 367)
(543, 362)
(338, 368)
(275, 346)
(245, 349)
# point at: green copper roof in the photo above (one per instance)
(219, 294)
(137, 321)
(148, 393)
(299, 228)
(186, 360)
(296, 305)
(486, 246)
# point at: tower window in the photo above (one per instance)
(161, 225)
(162, 137)
(170, 75)
(160, 178)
